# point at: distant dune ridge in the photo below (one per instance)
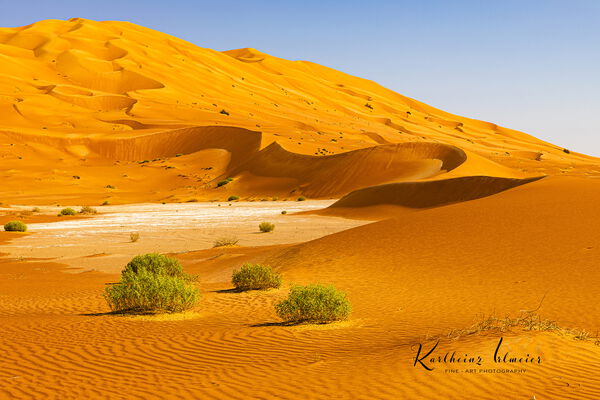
(163, 120)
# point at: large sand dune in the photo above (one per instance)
(83, 95)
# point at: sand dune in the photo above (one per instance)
(86, 94)
(427, 194)
(409, 279)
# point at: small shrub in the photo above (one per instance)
(226, 241)
(67, 211)
(224, 182)
(178, 155)
(284, 212)
(301, 198)
(144, 291)
(105, 203)
(88, 210)
(35, 210)
(567, 151)
(134, 237)
(266, 226)
(314, 303)
(109, 186)
(233, 198)
(15, 226)
(255, 277)
(157, 264)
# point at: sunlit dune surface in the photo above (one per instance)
(433, 225)
(89, 104)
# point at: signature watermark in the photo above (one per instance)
(505, 361)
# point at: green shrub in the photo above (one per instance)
(266, 226)
(88, 210)
(255, 277)
(224, 182)
(144, 291)
(158, 264)
(314, 303)
(15, 226)
(301, 198)
(67, 211)
(226, 241)
(233, 198)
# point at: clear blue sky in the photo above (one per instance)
(532, 65)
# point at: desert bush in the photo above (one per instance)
(158, 264)
(67, 211)
(35, 210)
(314, 303)
(284, 212)
(109, 187)
(88, 210)
(226, 241)
(233, 198)
(15, 226)
(301, 198)
(105, 203)
(255, 277)
(224, 182)
(266, 226)
(134, 237)
(144, 291)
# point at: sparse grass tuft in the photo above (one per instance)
(105, 203)
(226, 241)
(255, 277)
(88, 210)
(314, 303)
(109, 187)
(67, 211)
(35, 210)
(134, 237)
(15, 226)
(266, 227)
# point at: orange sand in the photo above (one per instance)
(466, 227)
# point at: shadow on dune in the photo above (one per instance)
(426, 194)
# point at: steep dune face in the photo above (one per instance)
(124, 92)
(430, 193)
(338, 174)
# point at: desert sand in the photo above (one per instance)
(429, 221)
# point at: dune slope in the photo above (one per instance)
(85, 95)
